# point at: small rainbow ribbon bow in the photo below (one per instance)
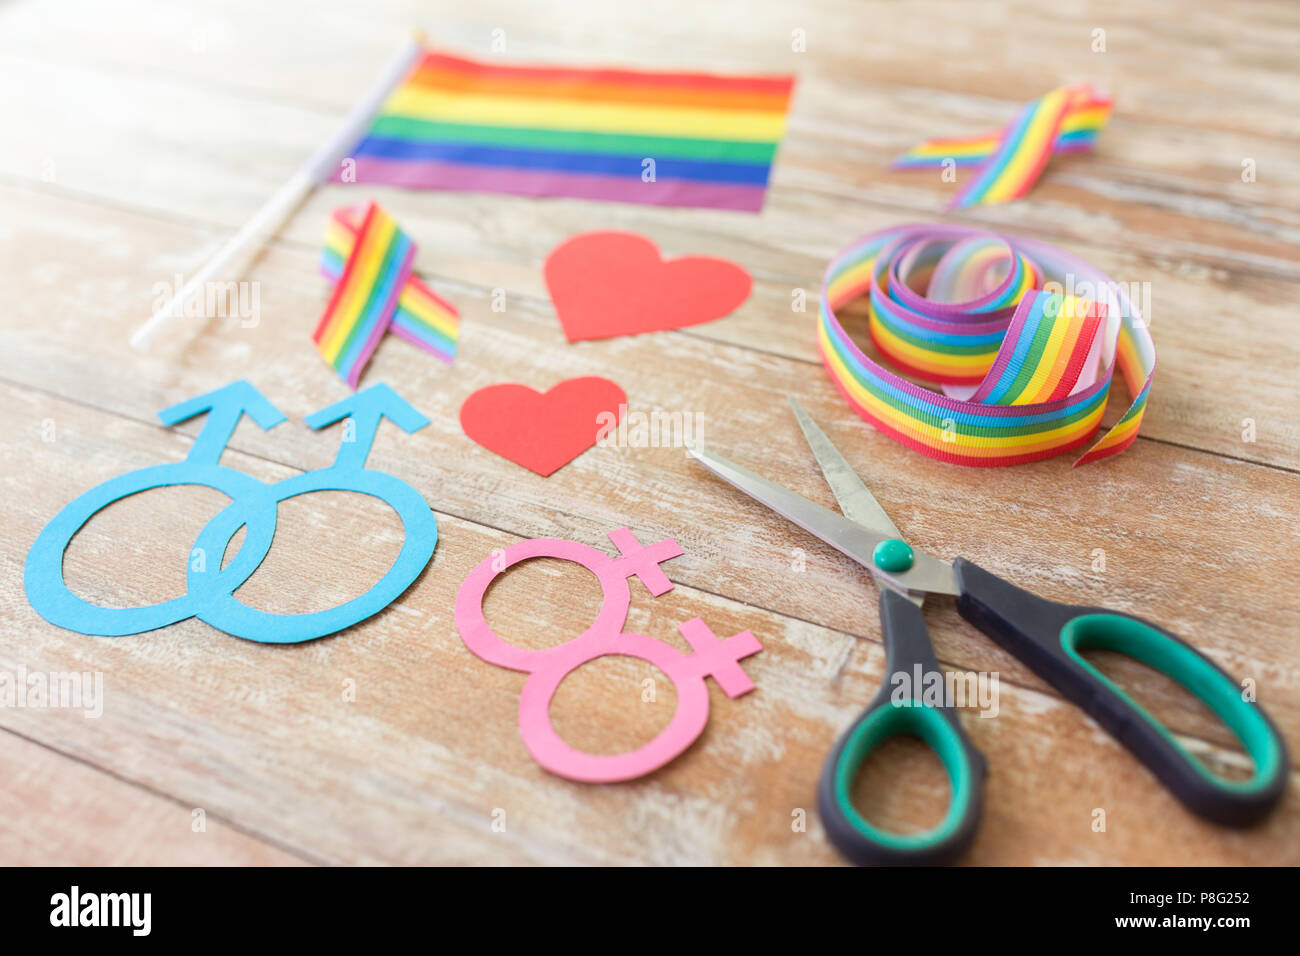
(1022, 337)
(369, 259)
(1009, 162)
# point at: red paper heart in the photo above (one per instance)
(542, 430)
(615, 283)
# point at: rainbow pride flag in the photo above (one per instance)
(669, 139)
(1009, 162)
(422, 317)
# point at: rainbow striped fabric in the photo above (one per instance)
(423, 318)
(1025, 359)
(670, 139)
(1008, 163)
(369, 259)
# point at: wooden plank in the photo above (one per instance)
(226, 153)
(1204, 397)
(1047, 543)
(65, 812)
(129, 155)
(262, 52)
(413, 768)
(1213, 254)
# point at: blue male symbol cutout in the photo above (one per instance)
(210, 595)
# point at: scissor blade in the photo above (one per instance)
(854, 498)
(857, 541)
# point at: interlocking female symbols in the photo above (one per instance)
(719, 659)
(211, 588)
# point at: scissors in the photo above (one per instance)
(1047, 636)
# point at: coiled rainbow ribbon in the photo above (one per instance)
(1025, 369)
(1066, 120)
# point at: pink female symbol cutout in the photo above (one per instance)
(719, 659)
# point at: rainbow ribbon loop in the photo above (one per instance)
(1022, 337)
(369, 259)
(1009, 162)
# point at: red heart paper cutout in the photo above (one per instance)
(615, 283)
(542, 430)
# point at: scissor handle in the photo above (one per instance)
(898, 709)
(1050, 637)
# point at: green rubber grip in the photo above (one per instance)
(1197, 674)
(892, 720)
(1050, 638)
(892, 714)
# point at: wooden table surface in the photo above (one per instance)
(135, 136)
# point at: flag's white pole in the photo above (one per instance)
(318, 167)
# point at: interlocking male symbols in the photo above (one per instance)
(719, 659)
(210, 595)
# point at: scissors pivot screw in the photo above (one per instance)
(893, 556)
